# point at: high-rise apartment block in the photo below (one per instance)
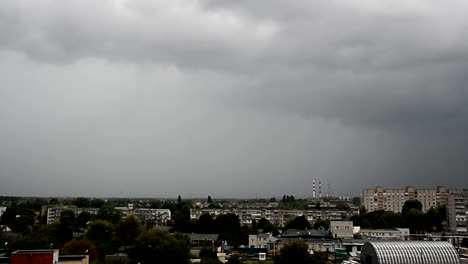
(457, 211)
(393, 199)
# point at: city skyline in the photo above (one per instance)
(231, 99)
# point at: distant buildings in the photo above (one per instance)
(145, 215)
(393, 199)
(278, 217)
(317, 240)
(455, 201)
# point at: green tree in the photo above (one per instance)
(159, 246)
(208, 255)
(233, 260)
(109, 213)
(415, 220)
(228, 227)
(66, 226)
(294, 252)
(99, 230)
(80, 247)
(325, 224)
(205, 224)
(299, 222)
(97, 203)
(43, 236)
(267, 227)
(128, 229)
(82, 219)
(393, 219)
(411, 204)
(82, 202)
(100, 233)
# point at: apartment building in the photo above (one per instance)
(278, 217)
(393, 199)
(457, 211)
(145, 215)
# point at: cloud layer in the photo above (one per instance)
(231, 98)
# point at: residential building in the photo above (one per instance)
(457, 211)
(262, 241)
(393, 199)
(385, 234)
(342, 229)
(145, 215)
(278, 217)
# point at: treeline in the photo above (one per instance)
(411, 217)
(94, 235)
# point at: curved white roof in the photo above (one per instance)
(415, 252)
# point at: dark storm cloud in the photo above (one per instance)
(357, 93)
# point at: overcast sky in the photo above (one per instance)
(231, 98)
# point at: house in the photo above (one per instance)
(261, 240)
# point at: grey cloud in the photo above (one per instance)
(360, 93)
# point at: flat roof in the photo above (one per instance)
(35, 251)
(73, 257)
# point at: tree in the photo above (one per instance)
(294, 252)
(299, 222)
(100, 232)
(128, 229)
(81, 202)
(181, 220)
(233, 260)
(229, 229)
(209, 200)
(205, 224)
(267, 227)
(80, 247)
(97, 203)
(109, 213)
(19, 218)
(66, 226)
(415, 220)
(44, 236)
(179, 199)
(322, 224)
(159, 245)
(411, 204)
(82, 219)
(209, 255)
